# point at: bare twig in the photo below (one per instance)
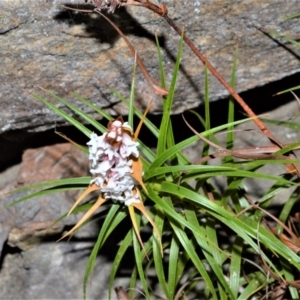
(163, 12)
(111, 5)
(264, 152)
(121, 294)
(157, 88)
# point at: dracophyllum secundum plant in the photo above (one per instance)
(117, 172)
(176, 198)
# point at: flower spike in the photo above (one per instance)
(96, 205)
(117, 172)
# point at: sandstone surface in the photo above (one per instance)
(43, 44)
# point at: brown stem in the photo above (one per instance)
(157, 88)
(121, 294)
(163, 12)
(216, 74)
(245, 153)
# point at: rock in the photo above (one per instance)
(33, 264)
(53, 271)
(29, 222)
(42, 44)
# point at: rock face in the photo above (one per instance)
(43, 44)
(33, 265)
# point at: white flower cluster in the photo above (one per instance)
(111, 165)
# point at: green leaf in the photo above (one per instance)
(297, 15)
(71, 120)
(207, 109)
(235, 266)
(158, 262)
(153, 172)
(126, 242)
(287, 124)
(236, 173)
(154, 130)
(286, 210)
(282, 36)
(160, 159)
(230, 120)
(160, 64)
(78, 111)
(184, 241)
(113, 218)
(172, 272)
(55, 183)
(131, 103)
(211, 251)
(254, 285)
(100, 111)
(165, 131)
(45, 192)
(248, 230)
(139, 260)
(132, 285)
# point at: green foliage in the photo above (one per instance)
(205, 238)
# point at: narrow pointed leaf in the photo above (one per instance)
(137, 168)
(135, 227)
(88, 190)
(95, 206)
(140, 206)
